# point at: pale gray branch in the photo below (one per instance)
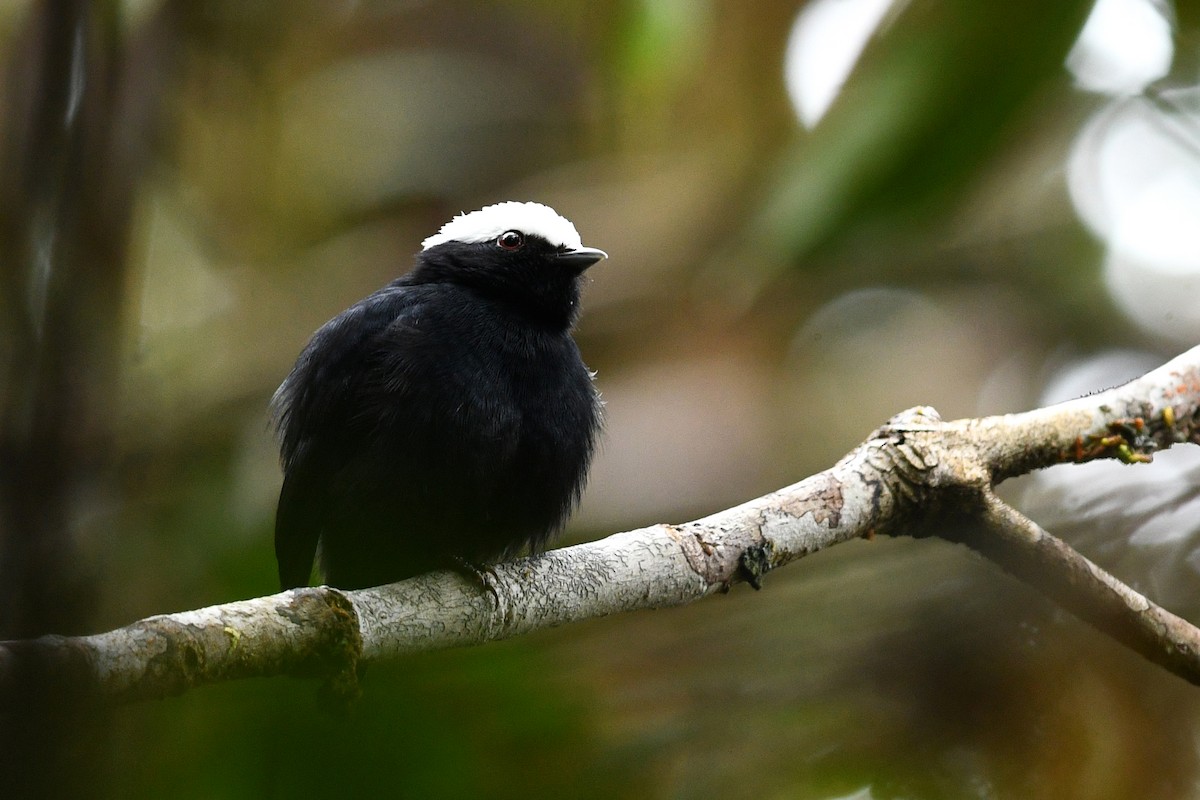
(1021, 547)
(915, 475)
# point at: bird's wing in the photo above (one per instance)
(298, 523)
(313, 409)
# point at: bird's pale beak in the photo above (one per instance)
(580, 258)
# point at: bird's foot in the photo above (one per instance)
(481, 575)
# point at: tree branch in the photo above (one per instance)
(916, 475)
(1049, 564)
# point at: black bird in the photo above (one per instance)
(448, 417)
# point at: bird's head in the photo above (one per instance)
(523, 253)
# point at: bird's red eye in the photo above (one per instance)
(511, 240)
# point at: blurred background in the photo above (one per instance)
(818, 214)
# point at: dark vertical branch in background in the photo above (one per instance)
(79, 106)
(62, 273)
(62, 278)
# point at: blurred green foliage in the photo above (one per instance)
(930, 102)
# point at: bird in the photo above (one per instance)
(447, 419)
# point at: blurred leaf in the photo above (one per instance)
(663, 38)
(927, 104)
(1186, 13)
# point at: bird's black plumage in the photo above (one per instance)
(446, 417)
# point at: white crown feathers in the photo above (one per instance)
(531, 219)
